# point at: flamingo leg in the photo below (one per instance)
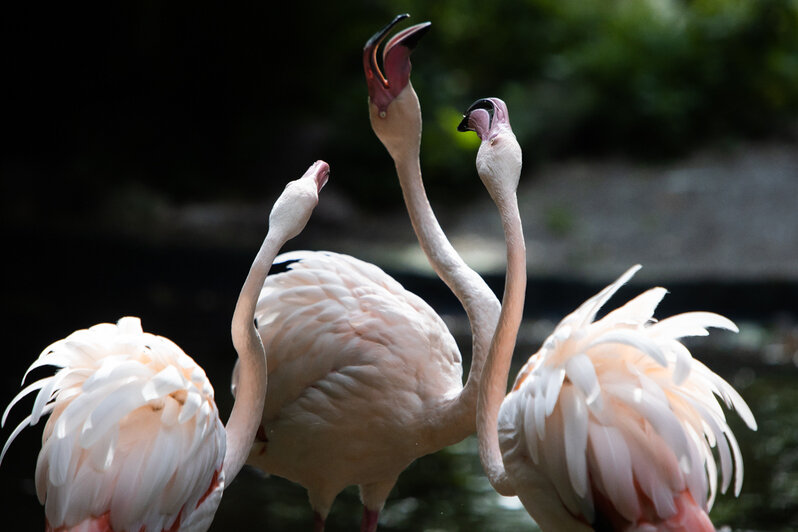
(318, 522)
(369, 522)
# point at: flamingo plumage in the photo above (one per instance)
(134, 441)
(364, 376)
(612, 423)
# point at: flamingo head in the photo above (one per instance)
(385, 87)
(499, 156)
(293, 208)
(393, 105)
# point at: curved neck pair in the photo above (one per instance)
(478, 300)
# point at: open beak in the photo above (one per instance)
(485, 117)
(384, 87)
(320, 172)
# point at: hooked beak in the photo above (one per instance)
(485, 117)
(320, 171)
(384, 87)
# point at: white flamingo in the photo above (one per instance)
(364, 377)
(611, 424)
(134, 441)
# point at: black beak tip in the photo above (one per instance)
(482, 103)
(412, 40)
(377, 37)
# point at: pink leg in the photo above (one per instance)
(369, 522)
(318, 522)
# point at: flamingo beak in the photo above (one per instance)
(384, 87)
(320, 172)
(485, 117)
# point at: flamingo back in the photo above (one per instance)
(346, 343)
(332, 314)
(614, 419)
(133, 439)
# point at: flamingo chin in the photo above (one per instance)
(613, 420)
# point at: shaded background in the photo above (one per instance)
(145, 143)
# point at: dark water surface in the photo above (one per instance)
(59, 284)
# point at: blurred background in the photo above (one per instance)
(145, 142)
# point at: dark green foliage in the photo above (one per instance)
(199, 103)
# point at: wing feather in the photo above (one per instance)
(635, 417)
(125, 406)
(574, 412)
(614, 466)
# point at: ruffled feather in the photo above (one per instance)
(124, 406)
(620, 406)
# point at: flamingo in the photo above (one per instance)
(611, 424)
(364, 376)
(134, 441)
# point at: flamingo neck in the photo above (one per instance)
(497, 366)
(478, 300)
(251, 387)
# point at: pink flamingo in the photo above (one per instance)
(134, 441)
(364, 377)
(611, 424)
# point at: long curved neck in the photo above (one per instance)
(478, 300)
(497, 367)
(251, 387)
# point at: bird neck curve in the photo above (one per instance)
(250, 396)
(493, 384)
(478, 300)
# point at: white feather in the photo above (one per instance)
(98, 451)
(633, 339)
(590, 308)
(61, 458)
(45, 394)
(691, 324)
(653, 419)
(639, 310)
(32, 387)
(166, 381)
(683, 361)
(551, 389)
(190, 406)
(530, 428)
(580, 371)
(108, 413)
(615, 468)
(574, 412)
(16, 432)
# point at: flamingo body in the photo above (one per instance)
(364, 376)
(355, 361)
(126, 407)
(612, 424)
(613, 419)
(134, 442)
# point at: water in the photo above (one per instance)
(188, 295)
